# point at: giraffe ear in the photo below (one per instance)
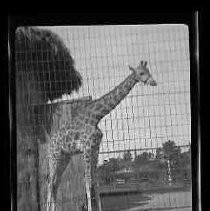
(145, 63)
(131, 68)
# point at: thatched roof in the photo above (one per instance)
(43, 57)
(44, 71)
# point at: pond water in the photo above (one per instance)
(165, 201)
(171, 201)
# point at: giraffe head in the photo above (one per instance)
(143, 74)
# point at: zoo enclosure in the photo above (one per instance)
(148, 116)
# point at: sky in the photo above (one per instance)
(148, 116)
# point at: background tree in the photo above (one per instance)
(184, 165)
(107, 171)
(127, 156)
(172, 154)
(142, 158)
(170, 151)
(114, 164)
(126, 161)
(159, 153)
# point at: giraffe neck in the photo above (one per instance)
(104, 105)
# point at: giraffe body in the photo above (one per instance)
(79, 134)
(76, 131)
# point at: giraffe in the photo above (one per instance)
(80, 132)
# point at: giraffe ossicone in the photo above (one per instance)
(80, 132)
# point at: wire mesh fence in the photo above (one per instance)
(140, 125)
(151, 115)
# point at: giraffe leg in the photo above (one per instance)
(88, 192)
(52, 171)
(57, 165)
(51, 193)
(88, 178)
(90, 158)
(50, 199)
(94, 160)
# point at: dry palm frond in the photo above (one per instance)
(42, 58)
(45, 70)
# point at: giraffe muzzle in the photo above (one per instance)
(151, 82)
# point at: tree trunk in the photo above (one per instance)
(26, 173)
